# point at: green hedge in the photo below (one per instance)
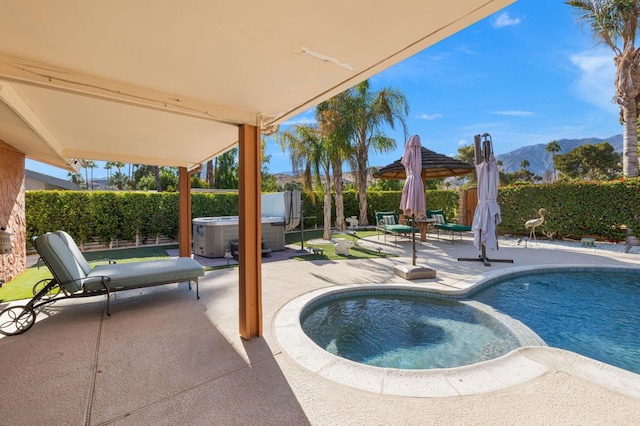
(598, 209)
(575, 210)
(108, 215)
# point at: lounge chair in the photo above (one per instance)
(389, 222)
(74, 277)
(444, 225)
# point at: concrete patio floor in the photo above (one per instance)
(164, 357)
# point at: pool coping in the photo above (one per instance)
(519, 366)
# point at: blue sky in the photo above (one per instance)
(527, 75)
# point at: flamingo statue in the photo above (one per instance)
(534, 223)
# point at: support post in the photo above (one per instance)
(184, 226)
(250, 232)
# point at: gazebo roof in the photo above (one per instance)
(434, 166)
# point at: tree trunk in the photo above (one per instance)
(630, 140)
(326, 229)
(337, 185)
(215, 173)
(156, 175)
(362, 191)
(209, 177)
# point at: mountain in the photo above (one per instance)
(540, 160)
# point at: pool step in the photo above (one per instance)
(235, 249)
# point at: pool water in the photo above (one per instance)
(406, 331)
(595, 314)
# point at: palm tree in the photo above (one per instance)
(306, 145)
(553, 147)
(90, 164)
(75, 178)
(119, 180)
(108, 166)
(336, 129)
(368, 112)
(614, 23)
(466, 153)
(119, 165)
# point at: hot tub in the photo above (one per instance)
(213, 235)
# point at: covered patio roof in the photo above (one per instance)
(169, 83)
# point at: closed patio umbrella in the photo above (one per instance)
(487, 214)
(412, 201)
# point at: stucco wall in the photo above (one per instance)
(12, 214)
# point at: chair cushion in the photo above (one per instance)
(380, 218)
(389, 220)
(140, 274)
(399, 229)
(439, 218)
(431, 213)
(77, 254)
(454, 227)
(58, 257)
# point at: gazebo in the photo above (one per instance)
(176, 83)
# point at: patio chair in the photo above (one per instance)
(444, 225)
(389, 222)
(74, 277)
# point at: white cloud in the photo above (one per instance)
(595, 83)
(514, 113)
(462, 142)
(504, 20)
(429, 116)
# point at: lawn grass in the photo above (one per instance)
(21, 287)
(355, 252)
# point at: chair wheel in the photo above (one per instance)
(16, 320)
(40, 285)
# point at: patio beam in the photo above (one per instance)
(250, 233)
(38, 74)
(184, 212)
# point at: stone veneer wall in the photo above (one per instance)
(12, 213)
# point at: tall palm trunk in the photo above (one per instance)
(630, 139)
(337, 186)
(627, 91)
(361, 183)
(326, 228)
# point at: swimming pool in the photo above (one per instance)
(406, 330)
(519, 366)
(595, 313)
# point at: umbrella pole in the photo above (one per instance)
(413, 233)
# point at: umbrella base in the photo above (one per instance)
(411, 272)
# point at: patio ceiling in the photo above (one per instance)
(168, 83)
